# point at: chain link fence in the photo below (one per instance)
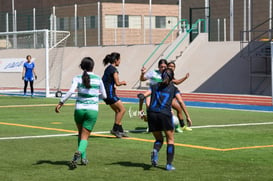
(108, 23)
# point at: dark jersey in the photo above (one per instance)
(108, 81)
(161, 98)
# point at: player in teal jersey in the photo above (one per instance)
(89, 87)
(28, 75)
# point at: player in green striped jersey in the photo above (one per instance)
(89, 87)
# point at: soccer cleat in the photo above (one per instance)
(185, 128)
(84, 161)
(178, 129)
(116, 133)
(169, 167)
(73, 163)
(123, 134)
(154, 158)
(147, 130)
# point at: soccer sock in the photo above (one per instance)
(82, 147)
(157, 145)
(170, 153)
(181, 122)
(116, 127)
(120, 128)
(84, 153)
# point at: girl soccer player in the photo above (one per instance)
(28, 75)
(111, 79)
(160, 115)
(175, 105)
(89, 86)
(155, 76)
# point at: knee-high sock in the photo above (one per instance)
(170, 153)
(181, 122)
(82, 147)
(157, 145)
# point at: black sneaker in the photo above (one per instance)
(123, 134)
(73, 163)
(116, 133)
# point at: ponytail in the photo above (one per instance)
(86, 79)
(111, 58)
(87, 65)
(107, 60)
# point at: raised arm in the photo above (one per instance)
(142, 77)
(179, 81)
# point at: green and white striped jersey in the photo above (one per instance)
(154, 76)
(86, 98)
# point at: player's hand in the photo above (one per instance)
(141, 96)
(58, 107)
(143, 70)
(187, 75)
(23, 77)
(123, 83)
(35, 77)
(141, 113)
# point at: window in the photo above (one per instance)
(91, 22)
(63, 23)
(120, 21)
(160, 22)
(72, 23)
(135, 22)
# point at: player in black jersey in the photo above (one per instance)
(111, 80)
(159, 115)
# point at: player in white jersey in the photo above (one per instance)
(89, 87)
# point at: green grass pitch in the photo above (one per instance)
(239, 152)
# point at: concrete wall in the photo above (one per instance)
(214, 67)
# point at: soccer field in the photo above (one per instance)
(36, 144)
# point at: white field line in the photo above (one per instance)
(232, 125)
(41, 136)
(142, 130)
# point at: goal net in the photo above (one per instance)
(46, 49)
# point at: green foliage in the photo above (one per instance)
(129, 159)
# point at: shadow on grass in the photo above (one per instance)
(130, 164)
(51, 162)
(139, 130)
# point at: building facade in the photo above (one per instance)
(116, 22)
